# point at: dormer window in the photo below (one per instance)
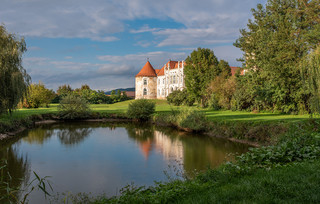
(145, 82)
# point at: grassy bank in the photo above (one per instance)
(260, 128)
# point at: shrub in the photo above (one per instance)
(141, 109)
(72, 107)
(178, 98)
(192, 119)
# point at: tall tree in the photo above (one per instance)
(14, 79)
(276, 39)
(201, 68)
(225, 68)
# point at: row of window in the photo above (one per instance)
(160, 91)
(173, 80)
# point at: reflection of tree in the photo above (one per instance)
(16, 169)
(140, 132)
(38, 135)
(73, 135)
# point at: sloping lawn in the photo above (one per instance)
(163, 106)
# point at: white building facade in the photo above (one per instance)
(169, 78)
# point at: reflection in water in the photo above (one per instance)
(68, 135)
(15, 171)
(194, 152)
(103, 157)
(73, 136)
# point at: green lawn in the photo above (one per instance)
(163, 106)
(298, 183)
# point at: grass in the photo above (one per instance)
(298, 183)
(164, 107)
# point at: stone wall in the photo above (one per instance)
(151, 87)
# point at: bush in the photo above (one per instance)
(141, 109)
(192, 119)
(178, 98)
(73, 107)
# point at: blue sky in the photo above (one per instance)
(104, 43)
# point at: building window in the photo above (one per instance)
(145, 82)
(159, 81)
(174, 79)
(159, 93)
(145, 91)
(162, 92)
(163, 81)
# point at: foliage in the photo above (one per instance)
(310, 69)
(276, 39)
(178, 98)
(201, 67)
(141, 109)
(13, 77)
(225, 68)
(192, 119)
(10, 192)
(38, 95)
(118, 96)
(64, 90)
(222, 90)
(73, 107)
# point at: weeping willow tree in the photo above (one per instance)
(14, 79)
(310, 67)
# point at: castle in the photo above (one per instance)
(159, 83)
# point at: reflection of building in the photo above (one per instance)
(159, 83)
(170, 149)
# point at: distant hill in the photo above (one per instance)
(121, 89)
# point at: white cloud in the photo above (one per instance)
(204, 21)
(144, 29)
(157, 58)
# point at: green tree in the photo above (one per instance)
(39, 95)
(310, 67)
(64, 90)
(201, 68)
(225, 68)
(14, 79)
(276, 39)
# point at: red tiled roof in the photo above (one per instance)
(147, 71)
(235, 69)
(161, 72)
(157, 71)
(173, 64)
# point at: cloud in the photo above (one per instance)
(157, 58)
(105, 39)
(229, 54)
(144, 29)
(204, 21)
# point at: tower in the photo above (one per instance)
(146, 82)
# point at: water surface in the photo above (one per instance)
(104, 157)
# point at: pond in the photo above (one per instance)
(102, 157)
